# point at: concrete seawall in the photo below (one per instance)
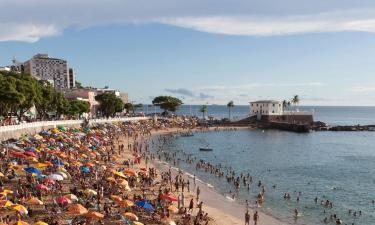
(15, 131)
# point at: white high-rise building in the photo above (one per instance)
(54, 70)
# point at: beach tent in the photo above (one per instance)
(145, 205)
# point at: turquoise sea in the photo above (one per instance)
(335, 166)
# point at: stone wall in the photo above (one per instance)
(15, 131)
(295, 119)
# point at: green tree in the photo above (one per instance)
(167, 103)
(230, 106)
(132, 107)
(77, 108)
(78, 84)
(203, 110)
(295, 100)
(109, 104)
(10, 98)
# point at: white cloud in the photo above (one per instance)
(363, 88)
(33, 19)
(26, 32)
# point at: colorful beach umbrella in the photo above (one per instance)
(40, 223)
(55, 177)
(20, 209)
(34, 201)
(72, 197)
(125, 203)
(63, 200)
(20, 222)
(5, 203)
(94, 215)
(77, 209)
(145, 205)
(42, 187)
(32, 170)
(169, 198)
(85, 169)
(130, 216)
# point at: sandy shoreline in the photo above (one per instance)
(219, 208)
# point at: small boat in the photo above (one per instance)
(187, 135)
(205, 149)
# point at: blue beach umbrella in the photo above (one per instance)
(57, 162)
(145, 205)
(32, 170)
(30, 149)
(85, 169)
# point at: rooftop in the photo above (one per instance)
(266, 101)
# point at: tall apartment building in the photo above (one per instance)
(54, 70)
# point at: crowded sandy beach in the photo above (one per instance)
(106, 174)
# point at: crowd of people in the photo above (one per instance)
(98, 175)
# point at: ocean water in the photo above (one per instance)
(333, 115)
(338, 166)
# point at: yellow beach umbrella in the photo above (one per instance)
(34, 201)
(20, 222)
(1, 174)
(119, 174)
(39, 165)
(20, 208)
(40, 223)
(5, 203)
(173, 209)
(137, 223)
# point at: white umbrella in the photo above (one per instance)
(55, 177)
(62, 174)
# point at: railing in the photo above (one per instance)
(65, 122)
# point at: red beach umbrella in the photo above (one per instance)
(41, 187)
(18, 154)
(63, 200)
(169, 198)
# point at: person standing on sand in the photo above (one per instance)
(256, 218)
(247, 218)
(191, 205)
(198, 192)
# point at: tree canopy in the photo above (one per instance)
(20, 92)
(78, 107)
(132, 107)
(167, 103)
(110, 104)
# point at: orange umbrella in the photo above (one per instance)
(94, 215)
(129, 172)
(77, 209)
(116, 198)
(40, 223)
(126, 203)
(131, 216)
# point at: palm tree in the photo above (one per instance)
(295, 100)
(285, 104)
(288, 103)
(230, 105)
(203, 110)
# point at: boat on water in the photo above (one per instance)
(190, 134)
(205, 149)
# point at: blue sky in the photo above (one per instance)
(205, 51)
